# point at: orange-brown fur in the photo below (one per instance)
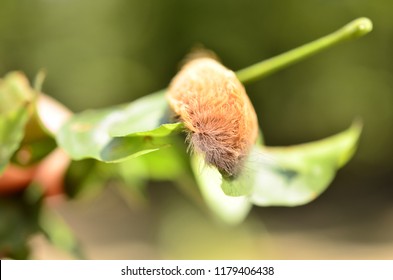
(216, 110)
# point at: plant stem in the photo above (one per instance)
(39, 80)
(352, 30)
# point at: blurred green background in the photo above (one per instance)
(99, 53)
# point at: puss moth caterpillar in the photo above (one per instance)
(220, 120)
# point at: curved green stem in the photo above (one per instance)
(352, 30)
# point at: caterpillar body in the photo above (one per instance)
(219, 118)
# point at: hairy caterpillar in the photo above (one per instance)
(220, 120)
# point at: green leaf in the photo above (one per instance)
(15, 92)
(238, 187)
(295, 175)
(120, 132)
(276, 176)
(11, 134)
(16, 98)
(82, 178)
(59, 233)
(229, 209)
(121, 148)
(165, 164)
(32, 152)
(19, 215)
(145, 114)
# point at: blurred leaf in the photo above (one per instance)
(11, 134)
(121, 148)
(238, 187)
(59, 233)
(33, 152)
(290, 176)
(15, 92)
(121, 132)
(132, 119)
(231, 210)
(19, 126)
(50, 114)
(16, 98)
(165, 164)
(19, 216)
(276, 176)
(81, 176)
(37, 143)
